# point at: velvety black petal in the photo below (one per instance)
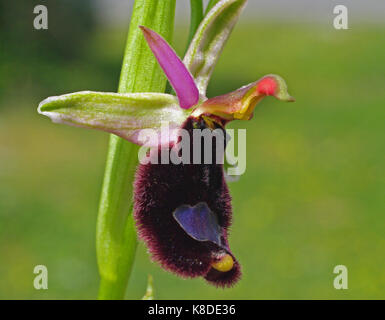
(159, 191)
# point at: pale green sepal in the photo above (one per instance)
(122, 114)
(209, 40)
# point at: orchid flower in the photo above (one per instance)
(183, 211)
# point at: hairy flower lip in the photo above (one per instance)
(178, 246)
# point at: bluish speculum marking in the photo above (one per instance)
(199, 222)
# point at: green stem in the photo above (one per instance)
(115, 234)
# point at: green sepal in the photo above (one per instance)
(121, 114)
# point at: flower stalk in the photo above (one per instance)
(116, 236)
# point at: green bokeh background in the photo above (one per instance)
(312, 196)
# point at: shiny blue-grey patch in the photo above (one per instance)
(199, 222)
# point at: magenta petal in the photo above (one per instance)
(176, 72)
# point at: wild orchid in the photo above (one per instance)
(182, 211)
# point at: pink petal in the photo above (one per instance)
(176, 72)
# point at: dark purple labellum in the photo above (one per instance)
(183, 213)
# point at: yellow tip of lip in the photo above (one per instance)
(225, 264)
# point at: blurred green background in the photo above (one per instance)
(312, 196)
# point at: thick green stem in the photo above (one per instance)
(115, 234)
